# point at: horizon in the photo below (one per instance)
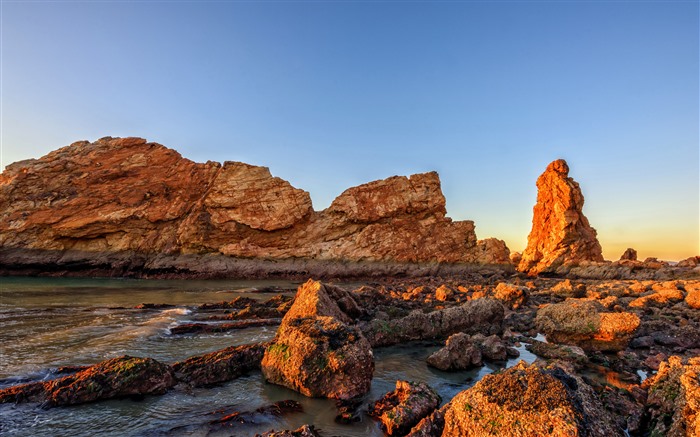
(334, 95)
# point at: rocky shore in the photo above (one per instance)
(618, 343)
(586, 380)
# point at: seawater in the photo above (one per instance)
(50, 322)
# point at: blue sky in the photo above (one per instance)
(334, 94)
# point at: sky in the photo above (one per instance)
(333, 94)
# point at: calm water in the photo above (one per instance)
(49, 322)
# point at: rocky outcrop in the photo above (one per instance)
(220, 366)
(400, 410)
(126, 196)
(584, 324)
(528, 400)
(673, 403)
(629, 255)
(560, 232)
(315, 351)
(117, 377)
(479, 315)
(513, 296)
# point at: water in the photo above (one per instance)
(51, 322)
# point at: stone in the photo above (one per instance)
(561, 234)
(527, 401)
(316, 351)
(553, 351)
(459, 353)
(629, 255)
(479, 315)
(320, 357)
(512, 296)
(400, 410)
(220, 366)
(659, 298)
(114, 378)
(492, 347)
(302, 431)
(673, 402)
(430, 426)
(582, 323)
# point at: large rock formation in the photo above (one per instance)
(139, 199)
(560, 232)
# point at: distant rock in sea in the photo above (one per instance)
(561, 234)
(124, 205)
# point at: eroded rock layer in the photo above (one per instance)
(120, 195)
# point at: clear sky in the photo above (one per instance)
(335, 94)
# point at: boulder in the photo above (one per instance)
(563, 352)
(528, 401)
(220, 366)
(400, 410)
(561, 234)
(114, 378)
(673, 402)
(315, 351)
(459, 353)
(512, 296)
(582, 323)
(479, 315)
(661, 297)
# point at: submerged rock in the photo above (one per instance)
(315, 351)
(583, 323)
(404, 407)
(220, 366)
(302, 431)
(561, 234)
(117, 377)
(528, 401)
(275, 409)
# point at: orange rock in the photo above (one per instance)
(561, 234)
(126, 195)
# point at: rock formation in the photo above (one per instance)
(117, 377)
(315, 351)
(629, 255)
(584, 323)
(128, 196)
(400, 410)
(674, 398)
(560, 232)
(528, 400)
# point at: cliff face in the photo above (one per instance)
(560, 232)
(125, 194)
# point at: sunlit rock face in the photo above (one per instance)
(561, 234)
(126, 194)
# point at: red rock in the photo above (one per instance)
(404, 407)
(513, 296)
(561, 234)
(124, 197)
